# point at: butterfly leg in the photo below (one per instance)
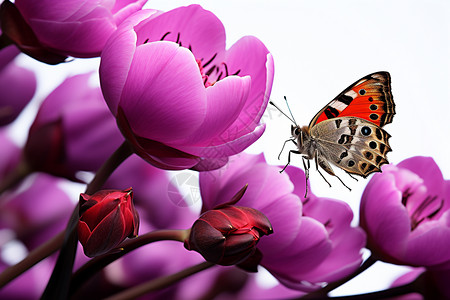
(326, 166)
(282, 148)
(351, 176)
(319, 161)
(306, 166)
(289, 158)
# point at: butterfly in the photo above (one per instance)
(348, 131)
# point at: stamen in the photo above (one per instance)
(220, 76)
(406, 194)
(211, 70)
(226, 69)
(190, 48)
(210, 60)
(146, 41)
(164, 36)
(237, 72)
(178, 39)
(417, 218)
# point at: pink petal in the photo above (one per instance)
(116, 59)
(428, 170)
(251, 57)
(225, 100)
(383, 216)
(164, 98)
(226, 145)
(196, 27)
(305, 253)
(428, 244)
(18, 86)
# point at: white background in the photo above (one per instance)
(321, 47)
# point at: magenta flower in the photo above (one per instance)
(67, 28)
(312, 243)
(179, 97)
(405, 211)
(18, 86)
(9, 154)
(431, 284)
(72, 121)
(37, 211)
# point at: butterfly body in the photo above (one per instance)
(348, 131)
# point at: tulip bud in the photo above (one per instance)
(228, 235)
(106, 219)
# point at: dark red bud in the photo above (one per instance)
(106, 219)
(44, 150)
(228, 235)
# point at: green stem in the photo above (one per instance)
(59, 282)
(33, 258)
(99, 262)
(159, 283)
(119, 156)
(333, 285)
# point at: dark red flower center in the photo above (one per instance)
(211, 70)
(426, 209)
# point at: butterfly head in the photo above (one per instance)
(300, 135)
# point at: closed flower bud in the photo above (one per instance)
(106, 219)
(228, 235)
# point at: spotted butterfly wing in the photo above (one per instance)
(354, 144)
(369, 98)
(348, 130)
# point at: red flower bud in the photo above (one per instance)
(228, 235)
(106, 219)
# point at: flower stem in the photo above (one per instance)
(33, 258)
(59, 282)
(99, 262)
(119, 156)
(333, 285)
(21, 171)
(5, 41)
(159, 283)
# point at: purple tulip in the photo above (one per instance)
(180, 98)
(73, 130)
(67, 27)
(405, 211)
(18, 86)
(9, 154)
(431, 284)
(312, 243)
(38, 212)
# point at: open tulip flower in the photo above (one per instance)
(405, 211)
(312, 243)
(180, 98)
(71, 121)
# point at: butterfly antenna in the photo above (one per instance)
(290, 119)
(287, 104)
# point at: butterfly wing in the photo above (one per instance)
(353, 144)
(369, 98)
